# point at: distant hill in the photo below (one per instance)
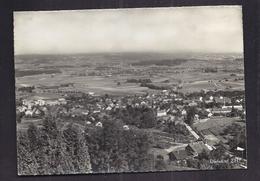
(121, 57)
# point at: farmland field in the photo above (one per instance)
(107, 73)
(215, 127)
(216, 122)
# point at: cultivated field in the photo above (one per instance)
(108, 73)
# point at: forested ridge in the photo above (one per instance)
(47, 149)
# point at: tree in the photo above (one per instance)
(234, 112)
(76, 150)
(174, 129)
(26, 162)
(238, 134)
(103, 144)
(83, 157)
(203, 155)
(113, 149)
(50, 127)
(141, 117)
(160, 163)
(32, 133)
(218, 153)
(170, 128)
(193, 163)
(19, 116)
(136, 144)
(148, 118)
(190, 115)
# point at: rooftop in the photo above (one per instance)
(198, 147)
(179, 154)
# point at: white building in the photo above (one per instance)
(88, 122)
(91, 93)
(99, 124)
(40, 102)
(161, 113)
(210, 114)
(62, 101)
(183, 112)
(125, 127)
(109, 108)
(29, 113)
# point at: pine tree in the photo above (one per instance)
(27, 164)
(190, 115)
(50, 127)
(77, 150)
(32, 133)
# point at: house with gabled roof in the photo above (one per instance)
(179, 155)
(196, 148)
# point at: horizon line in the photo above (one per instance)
(124, 52)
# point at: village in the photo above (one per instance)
(199, 120)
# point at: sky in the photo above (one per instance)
(208, 29)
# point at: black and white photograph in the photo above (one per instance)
(130, 90)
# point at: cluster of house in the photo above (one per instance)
(167, 104)
(190, 151)
(181, 154)
(36, 106)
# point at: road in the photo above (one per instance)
(176, 147)
(191, 131)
